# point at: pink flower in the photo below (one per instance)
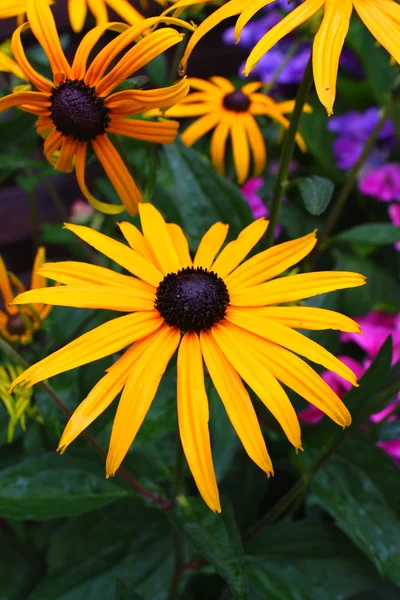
(376, 327)
(394, 215)
(382, 182)
(257, 206)
(391, 447)
(81, 212)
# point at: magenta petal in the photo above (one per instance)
(391, 447)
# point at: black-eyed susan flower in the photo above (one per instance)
(19, 404)
(17, 324)
(78, 108)
(216, 308)
(381, 17)
(231, 113)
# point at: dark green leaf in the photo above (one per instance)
(217, 539)
(16, 570)
(132, 83)
(316, 193)
(123, 592)
(374, 234)
(157, 70)
(225, 441)
(55, 486)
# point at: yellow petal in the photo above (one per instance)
(78, 68)
(296, 287)
(150, 358)
(384, 28)
(257, 144)
(126, 11)
(302, 379)
(43, 26)
(98, 399)
(100, 342)
(99, 10)
(251, 320)
(193, 415)
(210, 245)
(236, 401)
(180, 244)
(131, 102)
(156, 233)
(240, 149)
(40, 82)
(327, 47)
(241, 348)
(200, 127)
(249, 12)
(163, 132)
(5, 289)
(77, 14)
(236, 251)
(138, 242)
(307, 317)
(295, 18)
(270, 263)
(218, 144)
(19, 98)
(223, 83)
(121, 254)
(37, 279)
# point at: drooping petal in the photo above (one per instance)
(296, 287)
(65, 161)
(295, 18)
(130, 102)
(136, 296)
(270, 263)
(78, 68)
(241, 349)
(150, 358)
(126, 11)
(327, 47)
(41, 21)
(5, 289)
(19, 98)
(210, 245)
(180, 243)
(77, 14)
(383, 27)
(247, 14)
(236, 251)
(218, 144)
(99, 11)
(240, 149)
(200, 127)
(156, 233)
(98, 399)
(257, 144)
(193, 416)
(98, 343)
(308, 317)
(117, 173)
(121, 254)
(236, 401)
(163, 132)
(251, 320)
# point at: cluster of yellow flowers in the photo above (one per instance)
(216, 307)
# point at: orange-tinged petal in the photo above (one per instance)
(237, 402)
(240, 149)
(121, 254)
(270, 263)
(150, 359)
(65, 161)
(156, 233)
(5, 289)
(18, 98)
(383, 27)
(302, 379)
(77, 14)
(37, 279)
(130, 102)
(193, 415)
(125, 299)
(42, 23)
(295, 18)
(78, 68)
(241, 348)
(42, 84)
(99, 10)
(210, 245)
(138, 242)
(218, 144)
(163, 132)
(117, 173)
(180, 243)
(98, 399)
(100, 342)
(296, 287)
(126, 11)
(236, 251)
(308, 317)
(327, 47)
(251, 320)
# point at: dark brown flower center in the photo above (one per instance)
(237, 101)
(77, 111)
(192, 299)
(15, 325)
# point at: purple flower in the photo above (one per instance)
(257, 206)
(383, 182)
(394, 215)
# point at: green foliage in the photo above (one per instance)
(316, 193)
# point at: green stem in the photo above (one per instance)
(287, 152)
(122, 472)
(286, 60)
(177, 537)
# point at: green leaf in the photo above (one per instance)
(132, 83)
(201, 196)
(216, 538)
(372, 234)
(16, 570)
(157, 70)
(358, 486)
(225, 441)
(51, 486)
(316, 193)
(123, 592)
(306, 560)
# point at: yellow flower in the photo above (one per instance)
(77, 10)
(12, 8)
(231, 112)
(381, 17)
(18, 324)
(18, 405)
(79, 108)
(220, 310)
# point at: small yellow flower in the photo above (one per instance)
(18, 404)
(218, 308)
(231, 113)
(79, 109)
(18, 324)
(381, 17)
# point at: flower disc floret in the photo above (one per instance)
(237, 101)
(192, 299)
(77, 111)
(15, 325)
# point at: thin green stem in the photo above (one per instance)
(177, 537)
(286, 59)
(287, 152)
(122, 472)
